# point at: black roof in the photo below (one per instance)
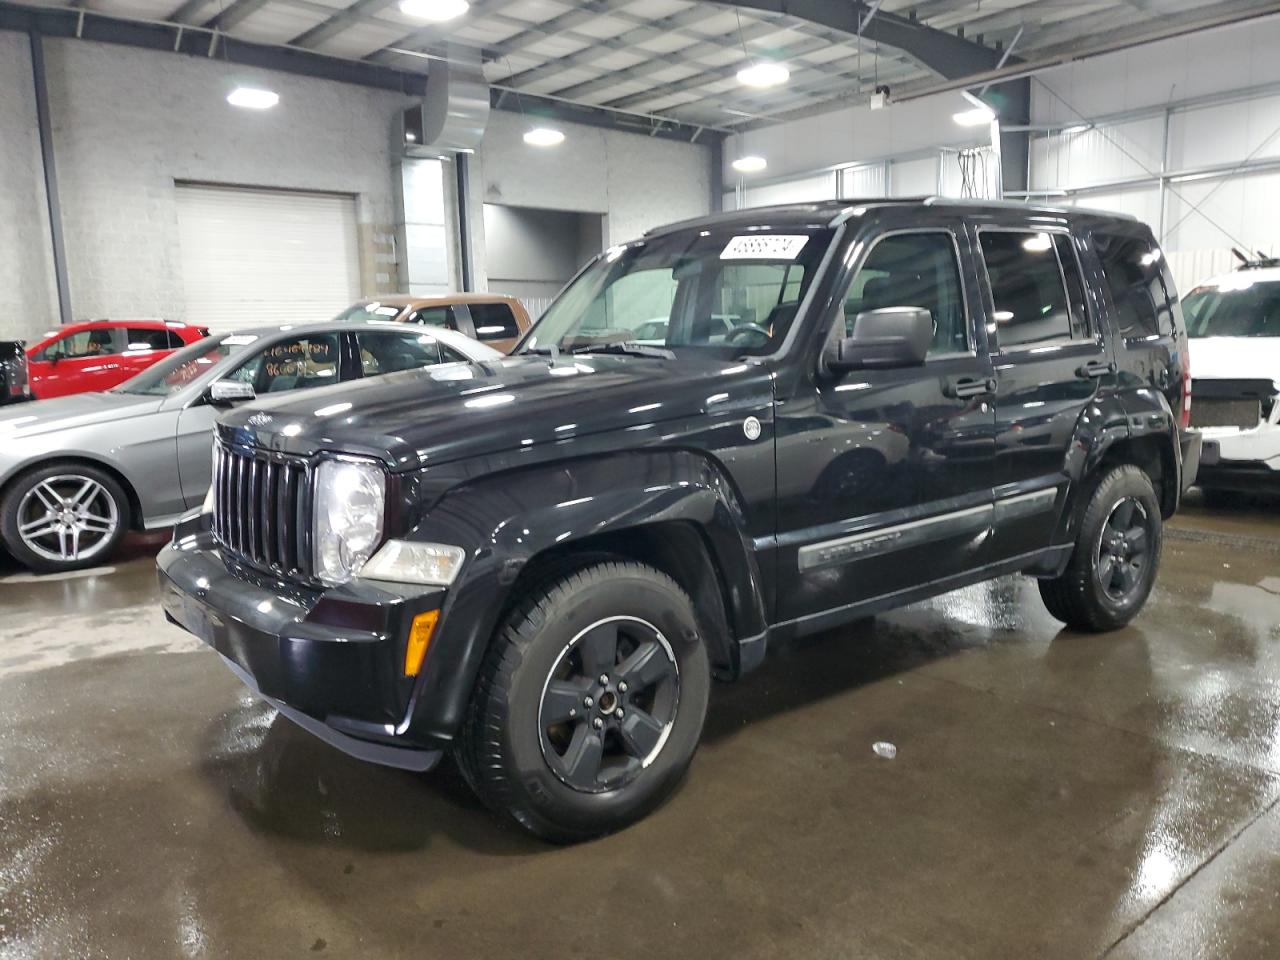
(827, 213)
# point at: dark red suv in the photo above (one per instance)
(100, 354)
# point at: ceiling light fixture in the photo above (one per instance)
(436, 11)
(977, 117)
(764, 74)
(750, 164)
(253, 98)
(543, 137)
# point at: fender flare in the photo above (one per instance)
(505, 521)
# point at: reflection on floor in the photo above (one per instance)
(1052, 795)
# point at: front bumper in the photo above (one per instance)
(1244, 460)
(330, 660)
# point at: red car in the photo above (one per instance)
(99, 354)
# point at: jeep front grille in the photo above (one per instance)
(262, 509)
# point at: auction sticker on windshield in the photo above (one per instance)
(764, 246)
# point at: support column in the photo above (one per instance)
(50, 177)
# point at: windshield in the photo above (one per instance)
(1240, 307)
(176, 371)
(373, 310)
(736, 290)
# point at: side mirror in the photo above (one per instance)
(888, 337)
(225, 392)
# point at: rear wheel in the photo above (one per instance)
(63, 517)
(590, 703)
(1117, 554)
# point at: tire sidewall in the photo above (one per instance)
(13, 543)
(631, 594)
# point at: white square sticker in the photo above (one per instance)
(764, 246)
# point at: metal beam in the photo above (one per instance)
(233, 14)
(194, 41)
(948, 55)
(340, 21)
(45, 127)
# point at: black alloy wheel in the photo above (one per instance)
(609, 704)
(1122, 551)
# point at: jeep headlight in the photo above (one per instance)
(350, 502)
(407, 561)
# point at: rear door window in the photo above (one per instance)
(384, 351)
(1138, 286)
(493, 321)
(85, 344)
(144, 338)
(1028, 288)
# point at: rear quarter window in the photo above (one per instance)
(1139, 283)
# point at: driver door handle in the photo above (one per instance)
(1094, 369)
(962, 387)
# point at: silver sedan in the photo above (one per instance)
(77, 472)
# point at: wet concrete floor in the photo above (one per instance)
(1053, 795)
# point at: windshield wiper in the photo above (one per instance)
(630, 348)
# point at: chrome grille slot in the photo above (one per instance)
(262, 509)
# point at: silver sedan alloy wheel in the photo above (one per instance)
(67, 518)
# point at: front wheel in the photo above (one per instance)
(1117, 554)
(63, 517)
(589, 704)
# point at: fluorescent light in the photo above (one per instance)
(410, 135)
(434, 10)
(975, 117)
(764, 74)
(543, 137)
(751, 164)
(1037, 244)
(253, 98)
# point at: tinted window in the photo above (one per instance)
(292, 364)
(1075, 286)
(142, 338)
(493, 321)
(1027, 288)
(914, 270)
(86, 343)
(1239, 307)
(1136, 284)
(435, 317)
(387, 352)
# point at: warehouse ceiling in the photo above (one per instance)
(680, 60)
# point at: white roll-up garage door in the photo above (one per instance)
(253, 257)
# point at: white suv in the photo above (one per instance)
(1234, 324)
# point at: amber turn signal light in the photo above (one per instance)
(424, 624)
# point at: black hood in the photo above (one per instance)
(455, 411)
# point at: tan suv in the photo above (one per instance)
(495, 320)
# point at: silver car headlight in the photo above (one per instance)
(350, 503)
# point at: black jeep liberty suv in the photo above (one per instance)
(736, 429)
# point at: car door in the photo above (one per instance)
(885, 475)
(144, 346)
(78, 362)
(277, 366)
(1050, 362)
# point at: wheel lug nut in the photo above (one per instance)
(618, 713)
(588, 702)
(597, 723)
(622, 686)
(604, 679)
(573, 711)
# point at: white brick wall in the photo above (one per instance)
(28, 297)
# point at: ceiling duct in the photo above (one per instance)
(454, 112)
